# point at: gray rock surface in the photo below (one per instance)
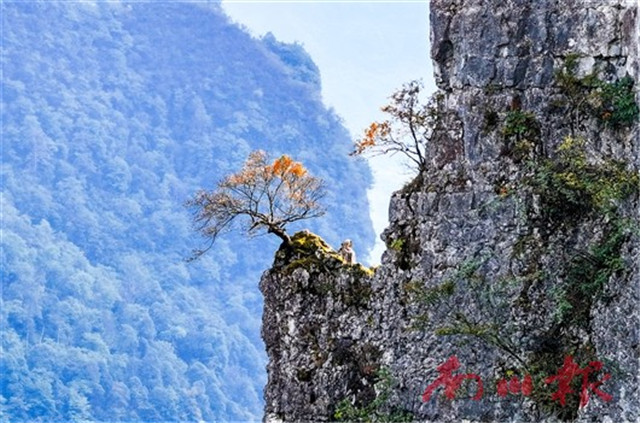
(472, 269)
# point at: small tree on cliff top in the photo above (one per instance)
(262, 197)
(407, 131)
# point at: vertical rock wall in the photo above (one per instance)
(475, 267)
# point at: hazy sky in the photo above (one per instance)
(365, 50)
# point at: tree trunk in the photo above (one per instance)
(280, 233)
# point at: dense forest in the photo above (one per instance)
(113, 115)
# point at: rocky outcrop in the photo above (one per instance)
(317, 310)
(516, 249)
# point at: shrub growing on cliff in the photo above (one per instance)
(617, 106)
(569, 185)
(612, 103)
(378, 410)
(588, 273)
(521, 132)
(407, 131)
(268, 196)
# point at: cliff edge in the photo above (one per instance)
(512, 261)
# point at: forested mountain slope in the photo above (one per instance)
(112, 116)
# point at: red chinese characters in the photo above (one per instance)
(515, 387)
(450, 381)
(565, 376)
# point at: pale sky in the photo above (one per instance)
(365, 51)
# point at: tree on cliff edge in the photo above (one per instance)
(265, 196)
(407, 131)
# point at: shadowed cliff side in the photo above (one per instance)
(516, 249)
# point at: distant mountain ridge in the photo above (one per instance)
(113, 115)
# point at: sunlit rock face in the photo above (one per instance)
(488, 259)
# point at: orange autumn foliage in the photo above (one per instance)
(268, 194)
(372, 134)
(285, 167)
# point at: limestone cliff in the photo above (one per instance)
(516, 249)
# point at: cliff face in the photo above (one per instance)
(515, 250)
